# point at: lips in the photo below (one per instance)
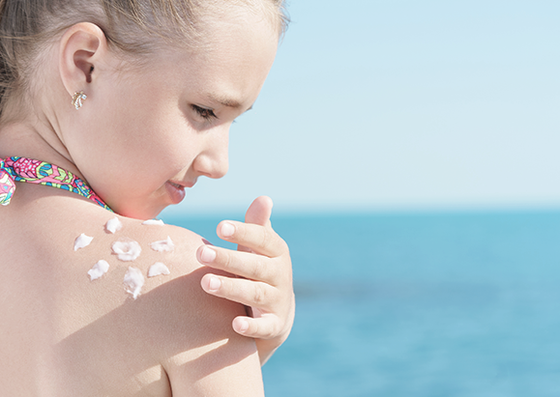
(176, 191)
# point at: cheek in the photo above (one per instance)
(137, 154)
(144, 129)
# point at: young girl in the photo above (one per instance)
(109, 110)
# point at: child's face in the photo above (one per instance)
(146, 134)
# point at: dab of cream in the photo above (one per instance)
(98, 270)
(113, 225)
(157, 269)
(163, 245)
(82, 241)
(157, 222)
(126, 250)
(133, 281)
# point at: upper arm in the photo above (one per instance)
(207, 358)
(192, 332)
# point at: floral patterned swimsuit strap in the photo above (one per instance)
(21, 169)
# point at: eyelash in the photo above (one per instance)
(206, 114)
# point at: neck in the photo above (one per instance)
(35, 140)
(33, 130)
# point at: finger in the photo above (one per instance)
(250, 266)
(265, 327)
(260, 239)
(246, 292)
(259, 214)
(259, 211)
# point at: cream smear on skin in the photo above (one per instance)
(156, 222)
(82, 241)
(113, 225)
(98, 270)
(158, 269)
(126, 250)
(133, 281)
(163, 245)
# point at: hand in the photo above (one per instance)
(262, 262)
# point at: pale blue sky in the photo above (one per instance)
(402, 105)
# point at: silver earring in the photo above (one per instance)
(78, 99)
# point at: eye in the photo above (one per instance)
(206, 114)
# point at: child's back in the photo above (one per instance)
(62, 334)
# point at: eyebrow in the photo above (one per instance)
(224, 100)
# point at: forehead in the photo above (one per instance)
(232, 60)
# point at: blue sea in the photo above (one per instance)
(442, 304)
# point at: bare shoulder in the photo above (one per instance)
(191, 331)
(129, 296)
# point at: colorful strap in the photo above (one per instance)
(21, 169)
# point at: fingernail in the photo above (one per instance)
(214, 284)
(207, 255)
(242, 325)
(227, 229)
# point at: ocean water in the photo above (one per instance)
(393, 305)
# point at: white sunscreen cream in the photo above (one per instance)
(133, 281)
(113, 225)
(157, 222)
(163, 245)
(157, 269)
(82, 241)
(98, 270)
(126, 250)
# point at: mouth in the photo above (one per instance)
(176, 191)
(176, 185)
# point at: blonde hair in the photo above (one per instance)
(135, 27)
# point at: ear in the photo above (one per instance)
(82, 47)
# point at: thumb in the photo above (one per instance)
(259, 211)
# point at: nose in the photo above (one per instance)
(213, 160)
